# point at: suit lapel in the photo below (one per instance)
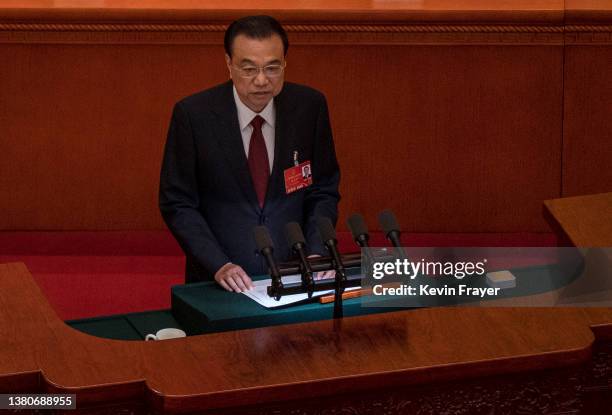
(284, 144)
(230, 140)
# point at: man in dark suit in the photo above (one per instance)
(231, 157)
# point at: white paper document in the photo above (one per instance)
(260, 292)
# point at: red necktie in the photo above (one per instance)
(258, 160)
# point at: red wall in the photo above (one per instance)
(457, 130)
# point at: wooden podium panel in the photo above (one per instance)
(587, 220)
(274, 364)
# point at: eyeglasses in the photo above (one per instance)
(269, 71)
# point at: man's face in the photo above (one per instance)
(256, 91)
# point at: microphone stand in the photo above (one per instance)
(324, 263)
(317, 264)
(339, 283)
(296, 241)
(306, 271)
(335, 261)
(266, 248)
(275, 290)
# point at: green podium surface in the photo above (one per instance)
(207, 308)
(134, 326)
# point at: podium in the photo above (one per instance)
(361, 360)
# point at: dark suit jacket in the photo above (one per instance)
(206, 194)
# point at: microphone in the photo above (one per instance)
(359, 230)
(297, 243)
(391, 228)
(266, 248)
(328, 234)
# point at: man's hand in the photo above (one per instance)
(233, 278)
(322, 274)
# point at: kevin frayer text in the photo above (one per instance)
(427, 290)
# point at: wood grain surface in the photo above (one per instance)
(41, 353)
(587, 220)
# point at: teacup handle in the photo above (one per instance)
(150, 337)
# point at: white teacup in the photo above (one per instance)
(165, 334)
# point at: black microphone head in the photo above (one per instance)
(294, 234)
(388, 222)
(262, 238)
(326, 229)
(357, 226)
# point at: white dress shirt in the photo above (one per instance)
(246, 115)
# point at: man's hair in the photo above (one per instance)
(254, 27)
